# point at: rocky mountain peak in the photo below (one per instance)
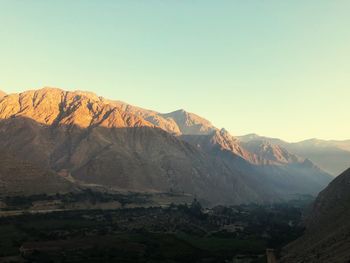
(249, 137)
(52, 106)
(271, 152)
(190, 123)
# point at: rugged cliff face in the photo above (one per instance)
(57, 107)
(327, 236)
(113, 144)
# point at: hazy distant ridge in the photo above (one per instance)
(332, 156)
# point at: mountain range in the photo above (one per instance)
(332, 156)
(89, 140)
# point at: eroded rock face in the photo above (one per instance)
(57, 107)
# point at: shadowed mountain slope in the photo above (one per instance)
(97, 142)
(274, 167)
(18, 178)
(327, 236)
(252, 148)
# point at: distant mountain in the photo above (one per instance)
(178, 122)
(218, 141)
(343, 145)
(275, 168)
(255, 137)
(190, 123)
(93, 140)
(332, 156)
(271, 153)
(327, 236)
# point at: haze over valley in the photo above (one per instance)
(107, 154)
(174, 131)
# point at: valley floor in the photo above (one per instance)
(175, 233)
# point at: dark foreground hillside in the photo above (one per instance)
(176, 233)
(327, 236)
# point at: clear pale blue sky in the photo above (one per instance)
(277, 68)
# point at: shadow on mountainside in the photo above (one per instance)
(144, 159)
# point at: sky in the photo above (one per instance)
(275, 68)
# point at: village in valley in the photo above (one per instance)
(135, 230)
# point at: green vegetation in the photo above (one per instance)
(11, 239)
(177, 233)
(86, 195)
